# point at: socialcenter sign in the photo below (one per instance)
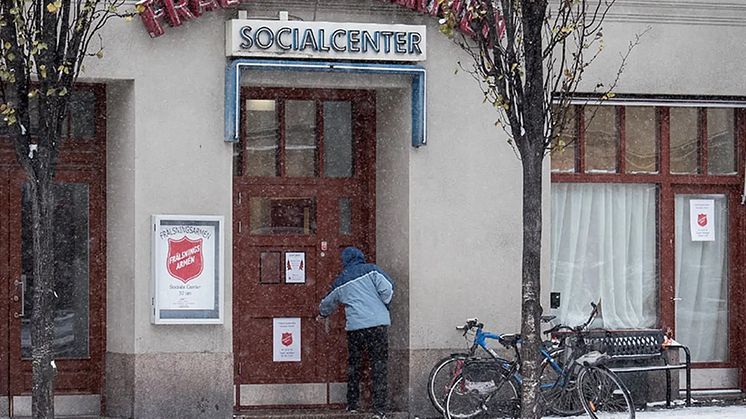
(326, 40)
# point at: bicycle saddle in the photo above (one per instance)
(510, 339)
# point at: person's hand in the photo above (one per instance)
(320, 318)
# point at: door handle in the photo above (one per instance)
(22, 284)
(676, 299)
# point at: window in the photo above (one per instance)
(620, 221)
(82, 121)
(299, 137)
(603, 246)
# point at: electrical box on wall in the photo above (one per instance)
(554, 300)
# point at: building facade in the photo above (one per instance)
(315, 143)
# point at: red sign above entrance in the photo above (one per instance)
(175, 12)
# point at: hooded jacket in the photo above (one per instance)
(363, 289)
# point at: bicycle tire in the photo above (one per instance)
(603, 395)
(559, 394)
(501, 400)
(441, 378)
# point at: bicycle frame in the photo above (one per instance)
(480, 340)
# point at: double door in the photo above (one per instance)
(303, 190)
(79, 269)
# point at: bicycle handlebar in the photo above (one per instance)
(470, 324)
(578, 328)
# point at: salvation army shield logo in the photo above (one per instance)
(287, 338)
(184, 261)
(702, 220)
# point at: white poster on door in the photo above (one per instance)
(286, 344)
(702, 219)
(295, 268)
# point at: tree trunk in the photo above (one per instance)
(532, 155)
(531, 286)
(42, 313)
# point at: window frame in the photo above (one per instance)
(670, 184)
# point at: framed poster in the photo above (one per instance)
(188, 259)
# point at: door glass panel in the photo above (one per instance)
(300, 138)
(345, 216)
(641, 144)
(71, 255)
(269, 268)
(702, 275)
(684, 134)
(262, 139)
(601, 139)
(82, 108)
(721, 154)
(283, 215)
(563, 148)
(338, 139)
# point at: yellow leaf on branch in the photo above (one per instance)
(54, 7)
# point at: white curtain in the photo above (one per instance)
(603, 243)
(702, 283)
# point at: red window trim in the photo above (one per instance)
(668, 184)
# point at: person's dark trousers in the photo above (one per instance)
(374, 341)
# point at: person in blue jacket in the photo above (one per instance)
(365, 291)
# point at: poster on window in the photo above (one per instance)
(295, 268)
(187, 269)
(286, 343)
(702, 219)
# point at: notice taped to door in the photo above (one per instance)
(286, 343)
(702, 219)
(295, 268)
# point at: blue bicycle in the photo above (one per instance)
(573, 379)
(446, 375)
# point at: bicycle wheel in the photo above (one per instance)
(558, 393)
(494, 395)
(603, 395)
(442, 376)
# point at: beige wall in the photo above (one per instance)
(449, 213)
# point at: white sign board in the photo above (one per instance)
(187, 286)
(702, 219)
(295, 268)
(286, 343)
(325, 40)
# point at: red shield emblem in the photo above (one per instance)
(287, 338)
(702, 220)
(184, 261)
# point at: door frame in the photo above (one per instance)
(361, 185)
(735, 270)
(80, 160)
(78, 375)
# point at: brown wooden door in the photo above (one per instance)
(704, 273)
(5, 299)
(80, 289)
(304, 184)
(80, 246)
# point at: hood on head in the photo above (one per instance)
(352, 256)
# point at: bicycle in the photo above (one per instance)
(601, 392)
(579, 371)
(448, 370)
